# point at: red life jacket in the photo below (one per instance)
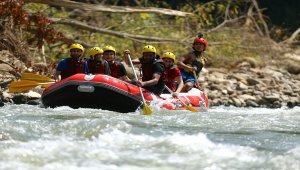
(96, 67)
(74, 67)
(115, 69)
(169, 76)
(147, 70)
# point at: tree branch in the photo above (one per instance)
(102, 8)
(82, 25)
(293, 36)
(267, 33)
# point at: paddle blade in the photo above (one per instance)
(191, 108)
(21, 86)
(36, 77)
(146, 109)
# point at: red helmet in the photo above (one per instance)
(201, 40)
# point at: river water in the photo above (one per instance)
(221, 138)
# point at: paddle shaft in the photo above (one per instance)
(135, 76)
(172, 94)
(196, 79)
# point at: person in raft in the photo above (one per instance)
(73, 64)
(97, 65)
(117, 69)
(192, 63)
(171, 75)
(127, 65)
(152, 70)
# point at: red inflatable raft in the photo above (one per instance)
(108, 93)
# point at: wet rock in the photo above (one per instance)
(272, 98)
(276, 104)
(20, 99)
(32, 95)
(251, 103)
(237, 102)
(33, 102)
(7, 97)
(5, 83)
(293, 101)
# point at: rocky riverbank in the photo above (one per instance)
(248, 86)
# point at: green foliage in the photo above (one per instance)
(226, 46)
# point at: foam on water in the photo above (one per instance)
(222, 138)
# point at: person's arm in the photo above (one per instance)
(136, 61)
(158, 70)
(180, 86)
(62, 66)
(123, 73)
(126, 78)
(183, 66)
(151, 82)
(57, 76)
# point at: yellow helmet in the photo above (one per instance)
(93, 51)
(109, 48)
(77, 46)
(169, 55)
(149, 48)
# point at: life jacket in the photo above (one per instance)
(115, 69)
(147, 69)
(96, 67)
(195, 62)
(73, 67)
(169, 79)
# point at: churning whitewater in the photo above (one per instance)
(32, 137)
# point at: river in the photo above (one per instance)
(221, 138)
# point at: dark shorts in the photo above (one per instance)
(187, 77)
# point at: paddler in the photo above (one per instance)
(192, 63)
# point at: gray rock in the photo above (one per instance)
(241, 86)
(20, 99)
(272, 98)
(230, 91)
(251, 103)
(33, 102)
(252, 81)
(237, 102)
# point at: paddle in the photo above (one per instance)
(36, 77)
(188, 107)
(24, 85)
(146, 109)
(196, 79)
